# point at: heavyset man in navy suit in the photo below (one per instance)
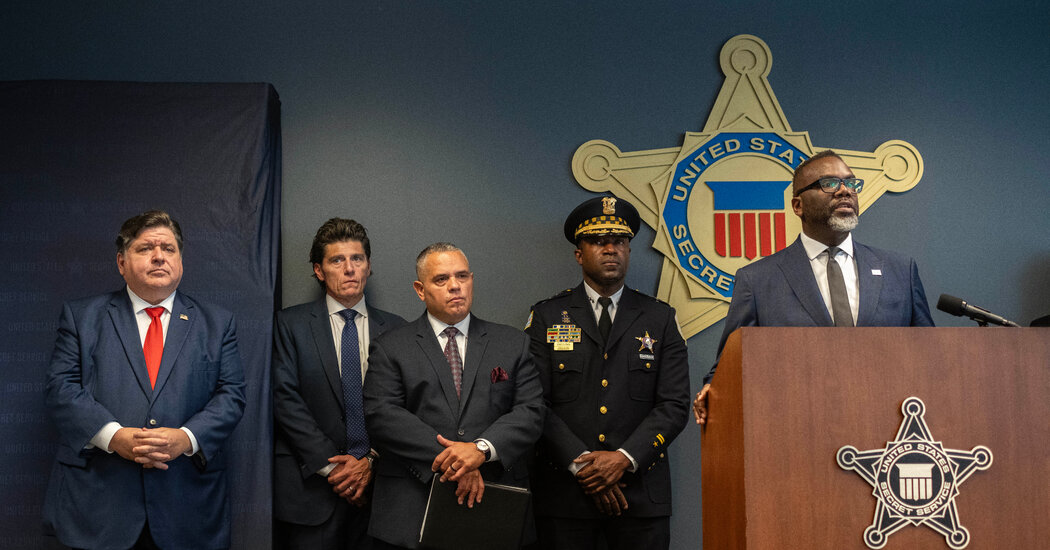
(447, 393)
(322, 464)
(798, 287)
(145, 386)
(615, 376)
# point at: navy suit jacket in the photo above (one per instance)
(98, 375)
(410, 398)
(309, 420)
(780, 291)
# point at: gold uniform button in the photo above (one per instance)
(648, 365)
(603, 410)
(605, 383)
(606, 356)
(561, 366)
(601, 437)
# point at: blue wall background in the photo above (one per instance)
(457, 121)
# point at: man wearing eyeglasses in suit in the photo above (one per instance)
(800, 287)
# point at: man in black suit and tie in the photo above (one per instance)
(447, 393)
(323, 464)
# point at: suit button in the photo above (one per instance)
(152, 421)
(603, 410)
(561, 366)
(461, 431)
(601, 437)
(605, 383)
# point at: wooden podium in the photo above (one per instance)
(785, 400)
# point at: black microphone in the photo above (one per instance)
(959, 307)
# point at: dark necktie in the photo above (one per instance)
(153, 348)
(837, 286)
(605, 320)
(356, 436)
(455, 361)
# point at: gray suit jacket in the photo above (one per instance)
(410, 398)
(309, 418)
(780, 291)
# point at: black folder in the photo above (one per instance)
(495, 523)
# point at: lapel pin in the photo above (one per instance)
(184, 317)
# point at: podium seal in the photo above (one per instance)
(915, 479)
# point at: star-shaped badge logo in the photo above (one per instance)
(647, 342)
(915, 479)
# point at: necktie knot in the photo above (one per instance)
(348, 315)
(450, 332)
(605, 301)
(832, 252)
(154, 312)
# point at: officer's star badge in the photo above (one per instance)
(647, 342)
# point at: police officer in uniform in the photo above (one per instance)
(615, 377)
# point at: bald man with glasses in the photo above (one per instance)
(825, 278)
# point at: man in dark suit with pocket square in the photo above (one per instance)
(447, 393)
(323, 463)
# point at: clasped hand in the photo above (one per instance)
(350, 478)
(459, 462)
(151, 448)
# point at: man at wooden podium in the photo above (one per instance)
(800, 287)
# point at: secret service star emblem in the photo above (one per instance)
(915, 479)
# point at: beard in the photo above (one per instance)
(843, 224)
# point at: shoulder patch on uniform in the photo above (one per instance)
(529, 322)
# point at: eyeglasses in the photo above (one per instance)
(831, 185)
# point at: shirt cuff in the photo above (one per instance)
(323, 472)
(104, 436)
(193, 442)
(575, 467)
(634, 465)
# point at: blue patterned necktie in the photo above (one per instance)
(353, 410)
(455, 361)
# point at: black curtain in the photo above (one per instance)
(78, 158)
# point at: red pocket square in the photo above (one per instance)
(498, 375)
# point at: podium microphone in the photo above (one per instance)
(959, 307)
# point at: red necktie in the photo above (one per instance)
(153, 349)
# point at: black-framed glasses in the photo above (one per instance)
(831, 185)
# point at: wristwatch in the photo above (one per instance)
(484, 448)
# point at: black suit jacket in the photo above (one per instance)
(410, 398)
(309, 425)
(645, 395)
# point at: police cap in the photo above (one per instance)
(602, 216)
